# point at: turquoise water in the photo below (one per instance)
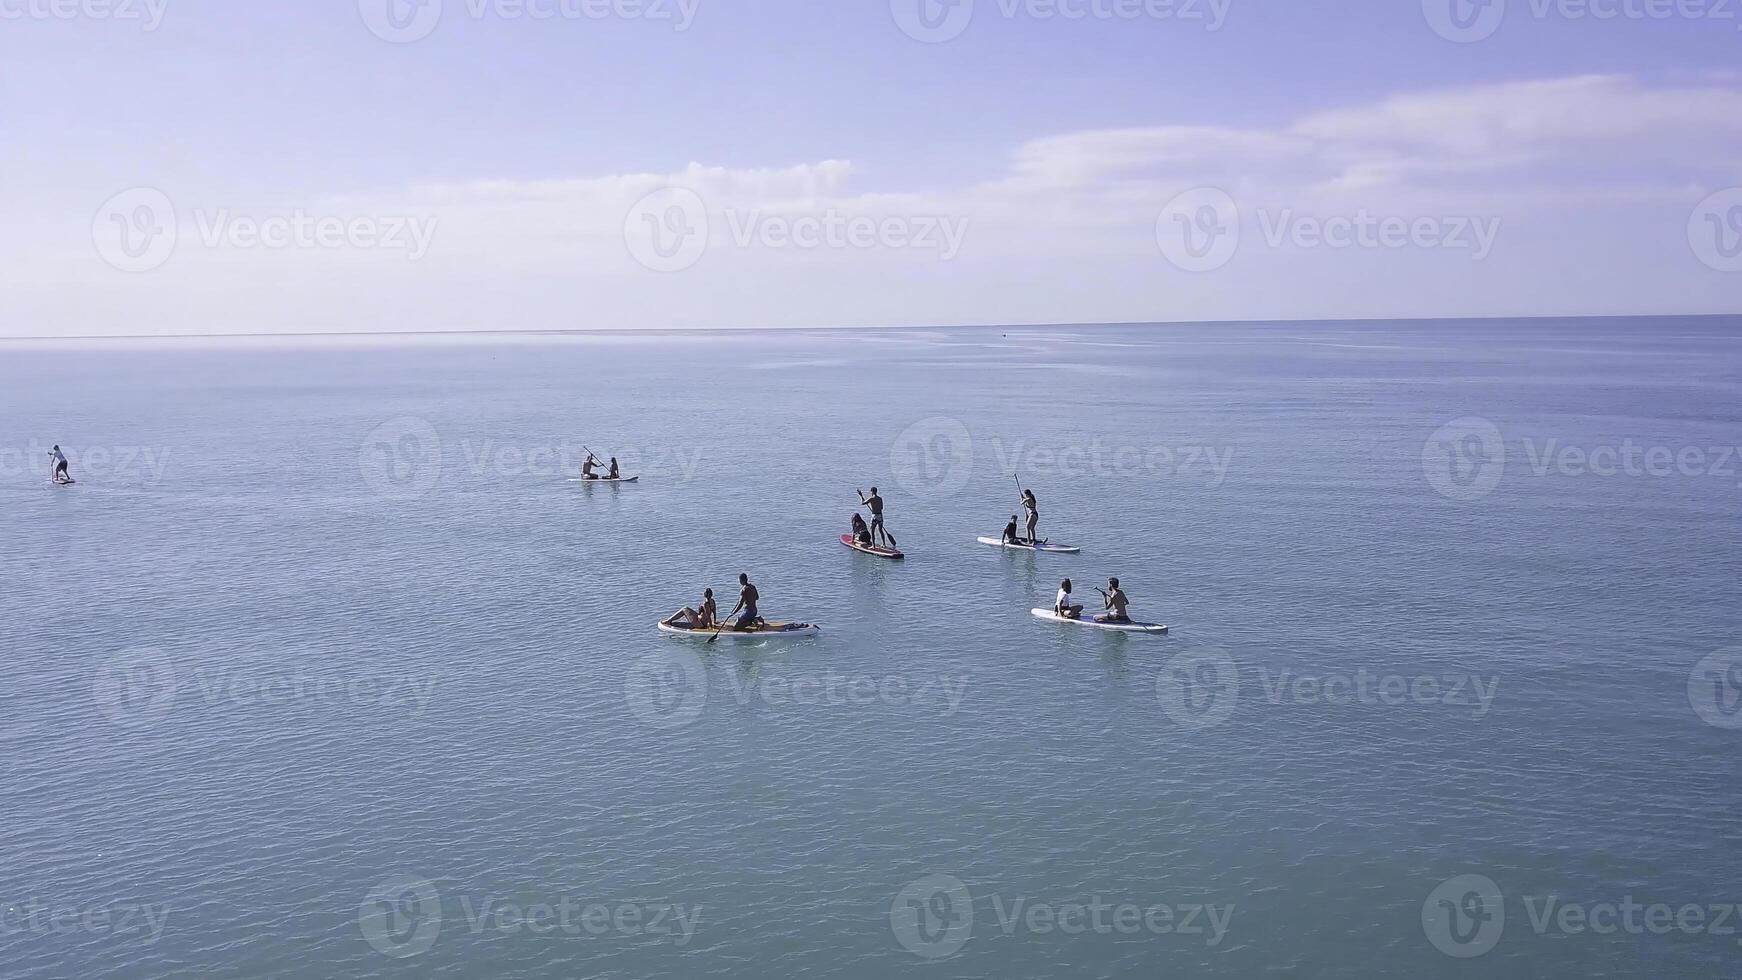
(324, 669)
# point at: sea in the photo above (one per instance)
(327, 667)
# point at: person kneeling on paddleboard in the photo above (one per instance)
(875, 502)
(747, 599)
(1010, 532)
(60, 465)
(1116, 604)
(861, 533)
(613, 475)
(701, 618)
(1062, 605)
(587, 468)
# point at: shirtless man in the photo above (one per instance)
(587, 467)
(1116, 604)
(875, 502)
(747, 599)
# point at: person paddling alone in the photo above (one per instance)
(875, 503)
(1116, 604)
(747, 599)
(59, 461)
(1063, 604)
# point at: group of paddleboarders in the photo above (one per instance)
(706, 615)
(1112, 595)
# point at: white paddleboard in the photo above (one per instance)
(767, 631)
(1063, 549)
(1088, 620)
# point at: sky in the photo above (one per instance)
(340, 166)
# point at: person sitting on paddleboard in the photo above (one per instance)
(60, 465)
(1116, 603)
(1031, 507)
(1063, 605)
(697, 619)
(613, 475)
(747, 598)
(875, 502)
(587, 468)
(861, 533)
(1010, 532)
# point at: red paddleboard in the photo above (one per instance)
(847, 539)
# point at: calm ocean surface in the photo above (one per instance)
(324, 669)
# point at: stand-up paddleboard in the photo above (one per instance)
(847, 539)
(62, 483)
(625, 479)
(1063, 549)
(766, 631)
(1087, 620)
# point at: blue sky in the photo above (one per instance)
(527, 150)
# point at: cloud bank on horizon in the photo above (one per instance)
(1501, 191)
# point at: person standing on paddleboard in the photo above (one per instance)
(1063, 605)
(700, 618)
(875, 502)
(747, 599)
(1116, 604)
(1032, 508)
(60, 465)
